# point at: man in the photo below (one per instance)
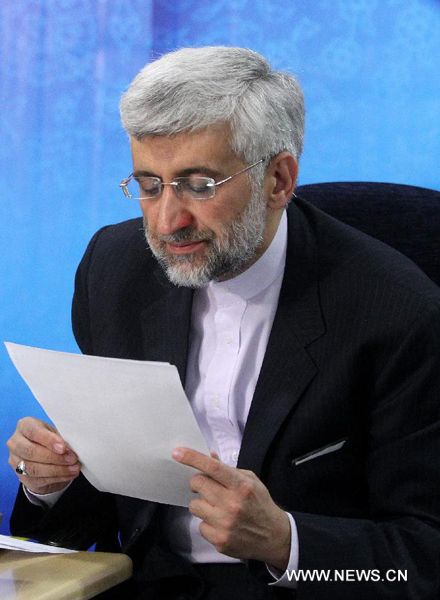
(309, 353)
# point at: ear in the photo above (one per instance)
(281, 179)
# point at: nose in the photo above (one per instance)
(172, 213)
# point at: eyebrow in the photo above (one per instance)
(206, 171)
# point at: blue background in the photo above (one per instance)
(371, 75)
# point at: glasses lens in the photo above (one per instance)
(193, 187)
(144, 187)
(197, 188)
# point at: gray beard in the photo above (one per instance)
(225, 257)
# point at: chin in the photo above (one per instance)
(186, 270)
(191, 279)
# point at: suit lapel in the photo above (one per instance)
(166, 325)
(287, 368)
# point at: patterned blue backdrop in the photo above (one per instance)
(370, 70)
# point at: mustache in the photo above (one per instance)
(186, 234)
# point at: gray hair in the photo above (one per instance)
(193, 88)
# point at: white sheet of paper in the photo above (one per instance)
(123, 418)
(9, 543)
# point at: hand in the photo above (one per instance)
(50, 463)
(239, 517)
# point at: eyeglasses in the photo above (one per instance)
(193, 187)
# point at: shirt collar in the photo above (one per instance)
(258, 276)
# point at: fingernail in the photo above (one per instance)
(177, 454)
(59, 448)
(70, 458)
(74, 469)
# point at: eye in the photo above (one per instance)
(199, 185)
(149, 185)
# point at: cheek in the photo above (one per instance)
(148, 213)
(228, 208)
(225, 215)
(215, 221)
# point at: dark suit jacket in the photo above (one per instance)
(354, 355)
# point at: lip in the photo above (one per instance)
(185, 247)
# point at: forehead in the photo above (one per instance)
(210, 147)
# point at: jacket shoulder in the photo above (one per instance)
(125, 235)
(354, 256)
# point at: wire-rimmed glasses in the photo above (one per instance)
(193, 187)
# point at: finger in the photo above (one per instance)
(36, 470)
(31, 451)
(213, 454)
(55, 430)
(39, 432)
(208, 489)
(202, 510)
(212, 467)
(214, 536)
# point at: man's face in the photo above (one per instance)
(197, 241)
